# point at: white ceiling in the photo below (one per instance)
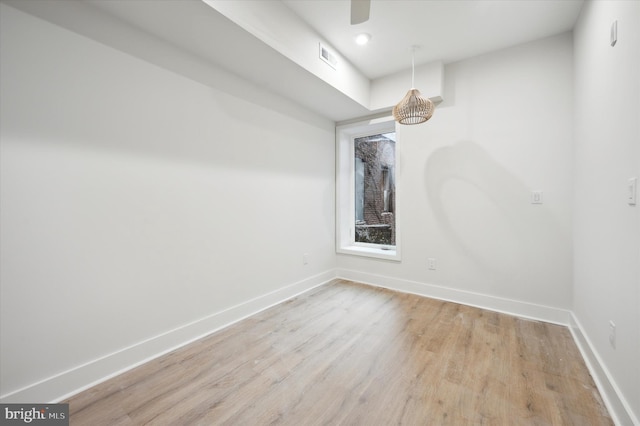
(172, 33)
(446, 30)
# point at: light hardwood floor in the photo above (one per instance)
(350, 354)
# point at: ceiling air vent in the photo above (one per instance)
(327, 56)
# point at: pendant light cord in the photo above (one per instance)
(413, 108)
(413, 67)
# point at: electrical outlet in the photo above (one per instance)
(612, 334)
(305, 259)
(431, 264)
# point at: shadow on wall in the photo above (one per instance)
(486, 213)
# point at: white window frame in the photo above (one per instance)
(345, 190)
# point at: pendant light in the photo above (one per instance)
(413, 108)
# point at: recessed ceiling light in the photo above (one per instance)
(363, 39)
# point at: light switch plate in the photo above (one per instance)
(632, 191)
(536, 197)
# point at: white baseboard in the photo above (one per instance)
(615, 402)
(498, 304)
(79, 378)
(617, 405)
(68, 383)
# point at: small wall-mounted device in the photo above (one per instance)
(431, 264)
(536, 197)
(614, 33)
(612, 334)
(632, 191)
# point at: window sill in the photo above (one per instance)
(378, 253)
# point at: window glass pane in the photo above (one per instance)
(359, 178)
(375, 159)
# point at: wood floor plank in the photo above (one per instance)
(351, 354)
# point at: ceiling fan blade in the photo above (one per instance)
(360, 11)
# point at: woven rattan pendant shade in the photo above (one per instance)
(413, 108)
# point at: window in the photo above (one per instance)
(374, 157)
(367, 202)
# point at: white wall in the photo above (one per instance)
(136, 201)
(387, 90)
(279, 27)
(504, 129)
(607, 229)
